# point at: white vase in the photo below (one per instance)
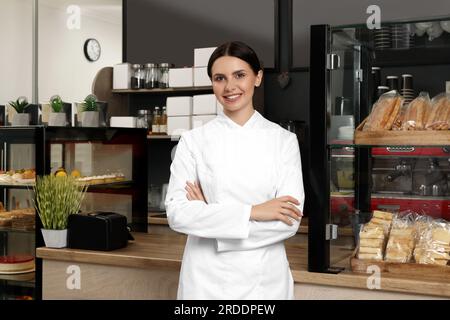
(20, 119)
(89, 119)
(55, 238)
(57, 119)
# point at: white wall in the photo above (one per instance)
(63, 68)
(16, 49)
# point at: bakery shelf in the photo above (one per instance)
(13, 230)
(163, 91)
(163, 137)
(26, 279)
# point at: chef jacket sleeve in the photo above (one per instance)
(196, 217)
(290, 182)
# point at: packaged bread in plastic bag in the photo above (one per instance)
(439, 117)
(417, 112)
(402, 238)
(433, 246)
(384, 112)
(373, 235)
(398, 122)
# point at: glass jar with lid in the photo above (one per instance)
(164, 75)
(144, 119)
(137, 77)
(151, 76)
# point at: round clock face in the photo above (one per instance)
(92, 49)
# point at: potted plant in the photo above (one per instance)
(57, 197)
(90, 114)
(57, 115)
(20, 118)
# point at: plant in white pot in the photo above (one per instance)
(90, 114)
(20, 118)
(57, 197)
(57, 117)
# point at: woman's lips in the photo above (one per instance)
(232, 97)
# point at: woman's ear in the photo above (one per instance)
(259, 77)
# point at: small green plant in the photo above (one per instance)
(20, 105)
(56, 104)
(90, 103)
(56, 198)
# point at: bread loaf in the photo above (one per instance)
(381, 113)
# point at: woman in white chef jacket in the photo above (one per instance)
(236, 190)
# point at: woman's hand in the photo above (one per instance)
(281, 208)
(194, 191)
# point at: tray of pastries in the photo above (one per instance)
(18, 177)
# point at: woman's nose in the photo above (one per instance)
(230, 85)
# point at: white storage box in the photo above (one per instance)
(198, 121)
(177, 125)
(181, 77)
(123, 122)
(201, 78)
(204, 104)
(179, 106)
(202, 55)
(122, 76)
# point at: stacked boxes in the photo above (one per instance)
(179, 112)
(201, 58)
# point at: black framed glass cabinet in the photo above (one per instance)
(112, 161)
(349, 68)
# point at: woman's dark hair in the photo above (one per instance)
(235, 49)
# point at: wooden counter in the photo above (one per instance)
(149, 268)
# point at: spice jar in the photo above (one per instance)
(163, 75)
(138, 77)
(151, 76)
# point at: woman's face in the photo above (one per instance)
(234, 82)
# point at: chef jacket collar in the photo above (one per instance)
(249, 124)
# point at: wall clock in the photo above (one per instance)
(92, 49)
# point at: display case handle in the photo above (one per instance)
(400, 149)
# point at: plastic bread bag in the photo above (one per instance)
(439, 117)
(417, 112)
(400, 119)
(384, 112)
(402, 238)
(371, 242)
(434, 244)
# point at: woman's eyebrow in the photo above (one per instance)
(234, 73)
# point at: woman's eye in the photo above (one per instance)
(218, 78)
(240, 75)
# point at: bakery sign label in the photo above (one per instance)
(374, 280)
(74, 279)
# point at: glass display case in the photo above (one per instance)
(113, 162)
(349, 67)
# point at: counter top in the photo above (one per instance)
(150, 250)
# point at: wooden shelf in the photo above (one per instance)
(163, 137)
(163, 91)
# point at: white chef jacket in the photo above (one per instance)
(227, 255)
